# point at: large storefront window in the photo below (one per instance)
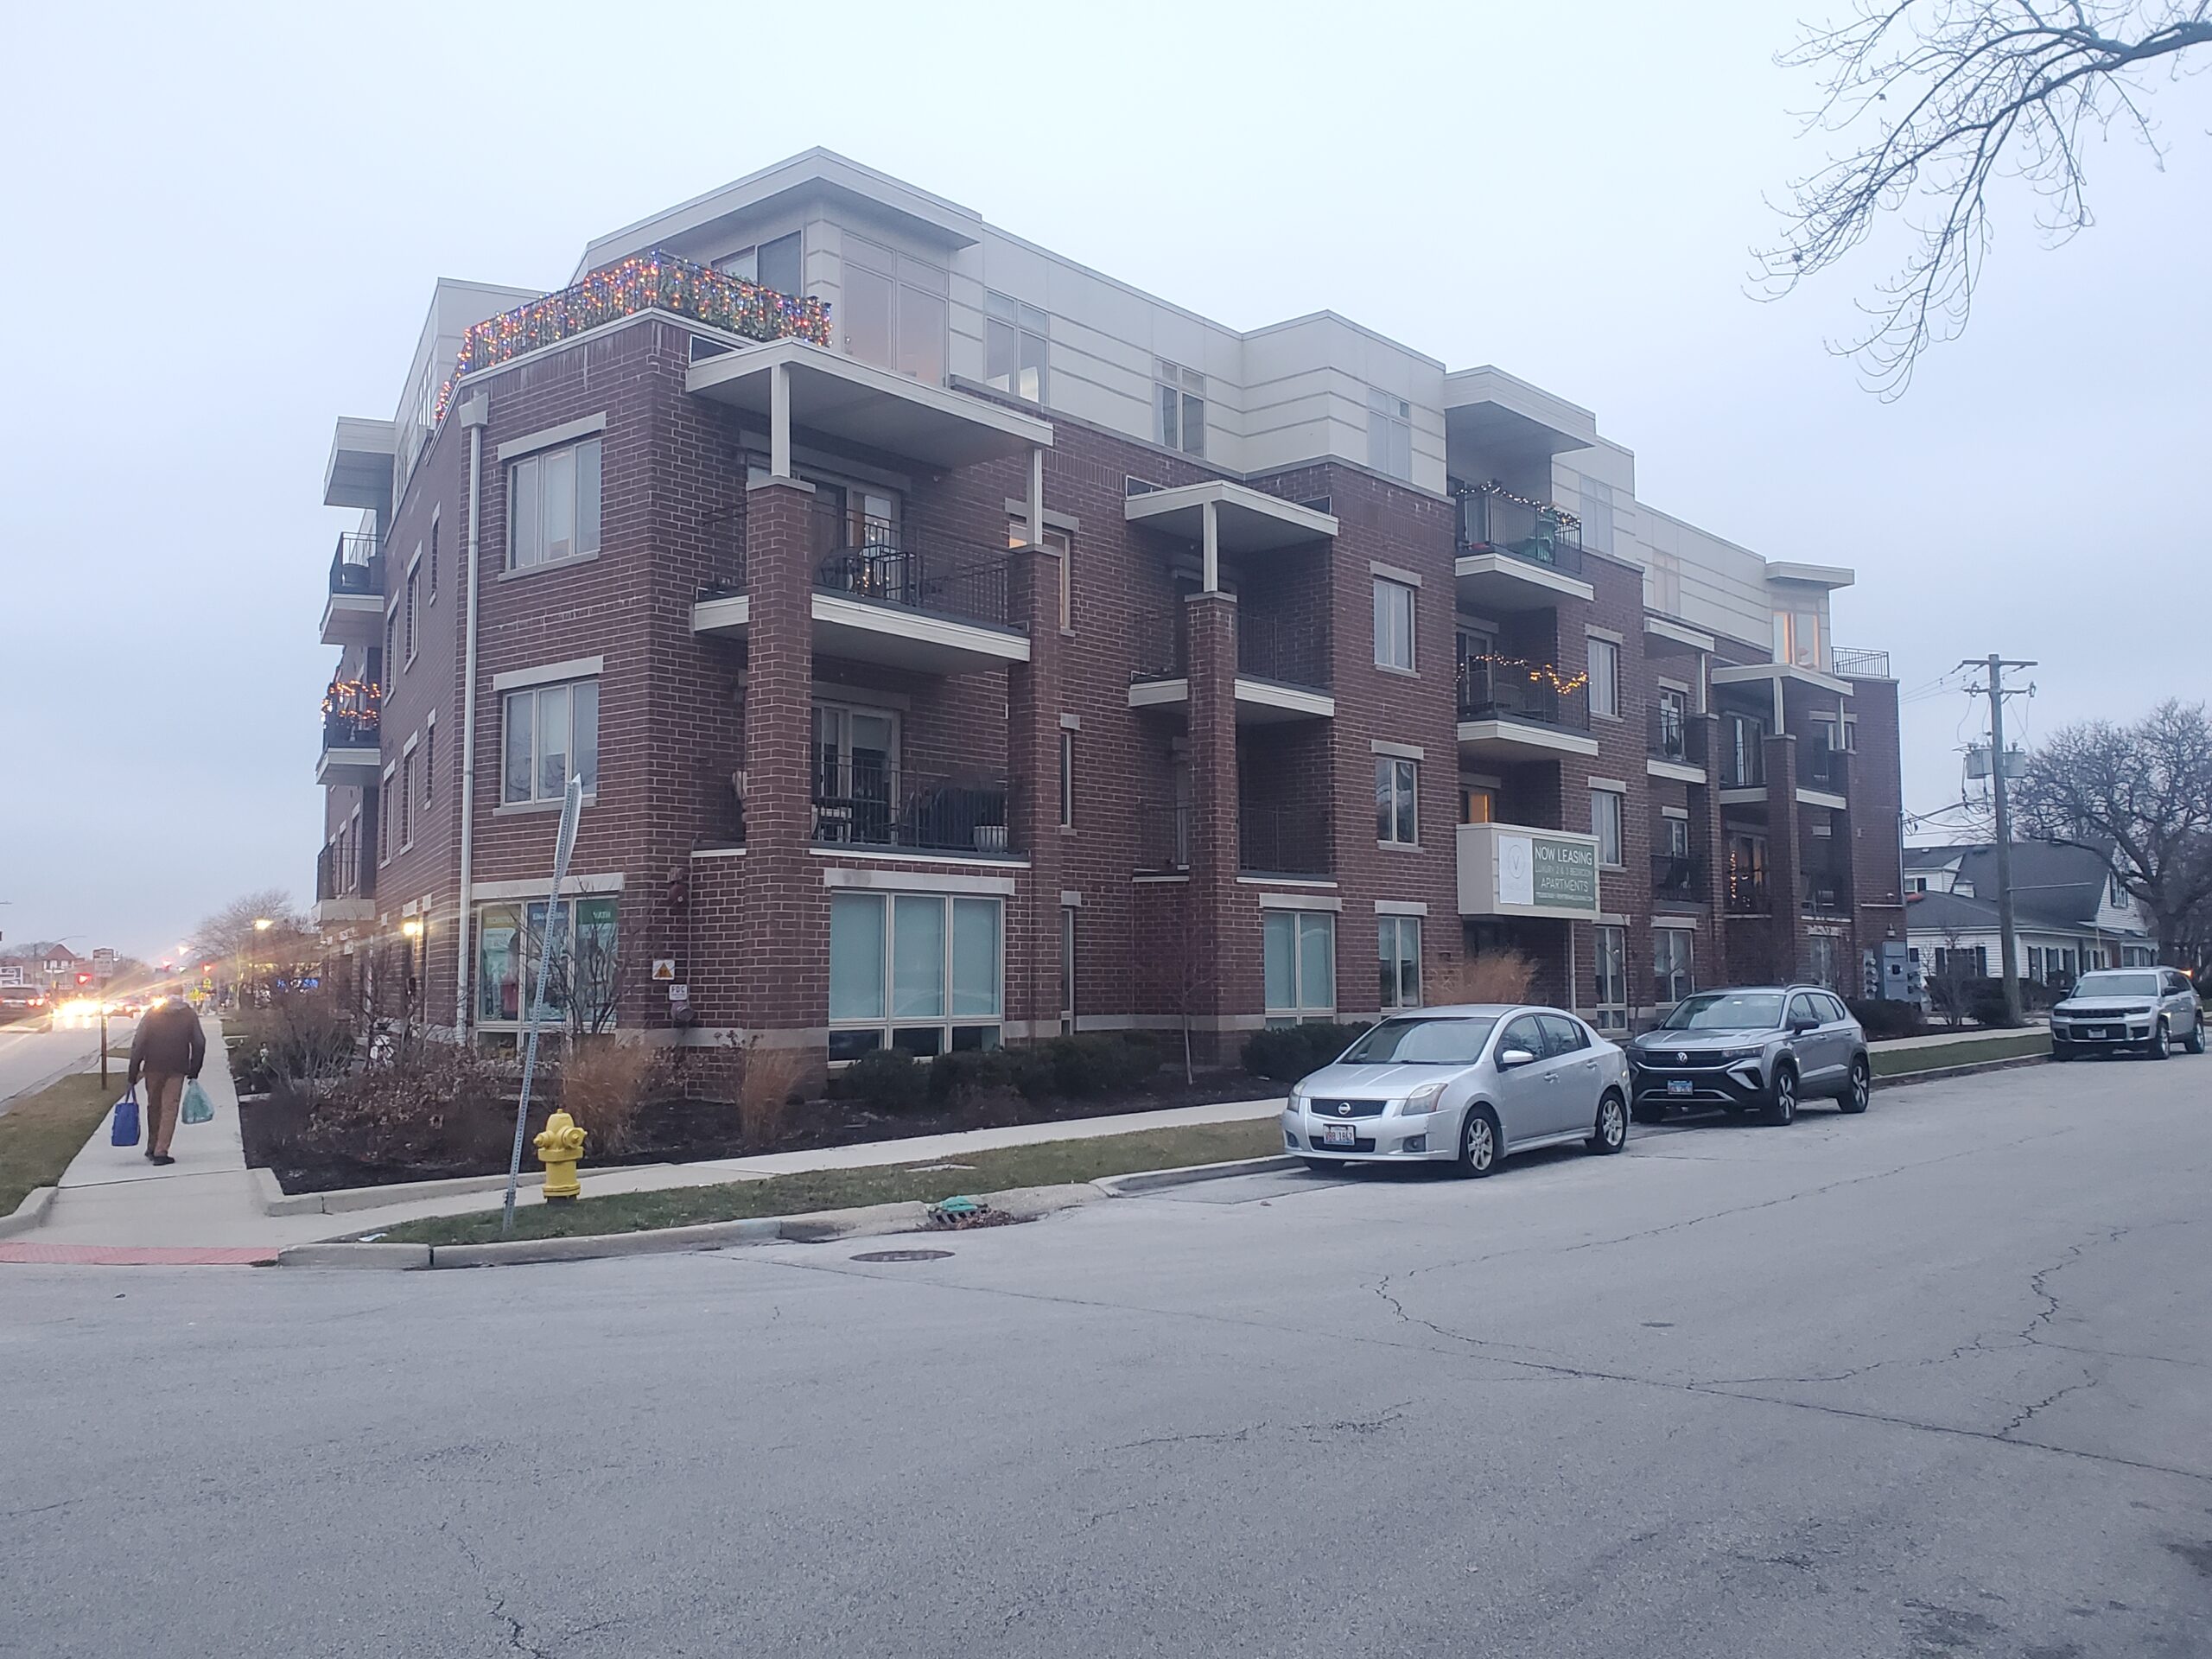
(584, 981)
(917, 972)
(1299, 961)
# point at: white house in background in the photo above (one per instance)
(2069, 915)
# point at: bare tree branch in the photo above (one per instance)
(1959, 95)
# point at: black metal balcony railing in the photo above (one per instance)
(352, 712)
(1287, 650)
(1496, 688)
(1859, 664)
(1676, 735)
(358, 565)
(1160, 643)
(1283, 840)
(870, 559)
(866, 804)
(331, 875)
(1678, 878)
(1820, 767)
(1745, 892)
(1492, 520)
(1742, 766)
(1824, 890)
(1164, 836)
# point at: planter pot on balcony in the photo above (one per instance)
(990, 838)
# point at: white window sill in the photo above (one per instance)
(516, 571)
(1399, 846)
(524, 809)
(1392, 668)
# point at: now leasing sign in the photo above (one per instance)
(1507, 871)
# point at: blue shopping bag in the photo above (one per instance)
(126, 1120)
(198, 1109)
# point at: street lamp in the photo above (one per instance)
(262, 923)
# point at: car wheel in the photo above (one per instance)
(2195, 1041)
(2161, 1044)
(1478, 1143)
(1859, 1089)
(1781, 1106)
(1611, 1132)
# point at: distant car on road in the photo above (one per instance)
(23, 1004)
(1764, 1048)
(1466, 1085)
(2128, 1010)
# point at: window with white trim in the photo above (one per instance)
(1068, 913)
(1299, 965)
(1397, 821)
(433, 558)
(553, 500)
(1056, 542)
(1389, 434)
(548, 733)
(429, 756)
(413, 603)
(1393, 624)
(1609, 982)
(407, 768)
(1397, 951)
(1672, 975)
(1605, 678)
(1605, 824)
(1014, 346)
(895, 309)
(583, 981)
(1181, 400)
(919, 972)
(1067, 779)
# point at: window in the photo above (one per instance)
(856, 788)
(1477, 803)
(778, 264)
(1397, 822)
(1182, 406)
(1563, 1034)
(1671, 977)
(433, 558)
(1611, 979)
(553, 506)
(1067, 779)
(1299, 965)
(551, 734)
(1670, 723)
(413, 604)
(1389, 434)
(1596, 515)
(391, 640)
(1674, 837)
(1393, 624)
(1797, 638)
(917, 972)
(1015, 336)
(583, 980)
(895, 309)
(1398, 960)
(384, 819)
(429, 757)
(1067, 970)
(407, 770)
(1605, 678)
(1062, 546)
(1605, 824)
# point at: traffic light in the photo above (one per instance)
(83, 979)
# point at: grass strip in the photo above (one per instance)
(41, 1133)
(1048, 1163)
(1968, 1051)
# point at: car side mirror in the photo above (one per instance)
(1512, 1057)
(1799, 1027)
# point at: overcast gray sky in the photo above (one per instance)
(222, 226)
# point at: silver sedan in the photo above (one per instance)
(1466, 1086)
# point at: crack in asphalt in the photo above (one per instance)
(1388, 1418)
(496, 1599)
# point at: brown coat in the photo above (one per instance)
(170, 1041)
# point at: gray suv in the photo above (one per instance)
(1765, 1048)
(2128, 1010)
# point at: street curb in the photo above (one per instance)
(391, 1258)
(1153, 1180)
(274, 1201)
(29, 1213)
(707, 1235)
(1945, 1073)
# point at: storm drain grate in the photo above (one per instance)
(902, 1255)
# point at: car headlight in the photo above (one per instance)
(1297, 1095)
(1735, 1056)
(1422, 1101)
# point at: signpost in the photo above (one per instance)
(104, 965)
(572, 806)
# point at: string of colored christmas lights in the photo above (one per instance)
(642, 282)
(1547, 509)
(1538, 673)
(359, 699)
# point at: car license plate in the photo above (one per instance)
(1339, 1135)
(1679, 1085)
(2095, 1034)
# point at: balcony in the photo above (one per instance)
(1163, 838)
(1859, 664)
(1677, 879)
(1742, 770)
(1517, 554)
(1282, 666)
(339, 900)
(353, 614)
(1824, 889)
(1743, 892)
(1514, 710)
(1509, 869)
(1674, 744)
(1283, 840)
(350, 731)
(1822, 771)
(868, 805)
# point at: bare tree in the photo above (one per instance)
(584, 981)
(231, 930)
(2142, 796)
(1947, 97)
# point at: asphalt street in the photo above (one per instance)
(30, 1059)
(1934, 1381)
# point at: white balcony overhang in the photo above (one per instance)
(351, 619)
(1811, 576)
(1246, 520)
(1510, 869)
(1522, 739)
(893, 636)
(1772, 673)
(359, 473)
(1673, 771)
(1745, 795)
(353, 764)
(1826, 798)
(342, 912)
(1258, 702)
(1491, 583)
(1663, 636)
(1488, 412)
(857, 403)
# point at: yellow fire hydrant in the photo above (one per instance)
(560, 1145)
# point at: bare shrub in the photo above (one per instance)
(1490, 976)
(604, 1085)
(770, 1077)
(440, 1106)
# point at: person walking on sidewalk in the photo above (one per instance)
(167, 1052)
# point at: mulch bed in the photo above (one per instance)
(692, 1131)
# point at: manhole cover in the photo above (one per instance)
(903, 1255)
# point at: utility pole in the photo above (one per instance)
(2007, 956)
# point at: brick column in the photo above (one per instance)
(1709, 847)
(1210, 921)
(782, 944)
(1033, 750)
(1783, 857)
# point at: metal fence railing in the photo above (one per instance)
(1492, 520)
(863, 803)
(1283, 840)
(1498, 688)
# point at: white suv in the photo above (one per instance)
(2128, 1010)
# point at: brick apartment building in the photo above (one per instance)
(958, 646)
